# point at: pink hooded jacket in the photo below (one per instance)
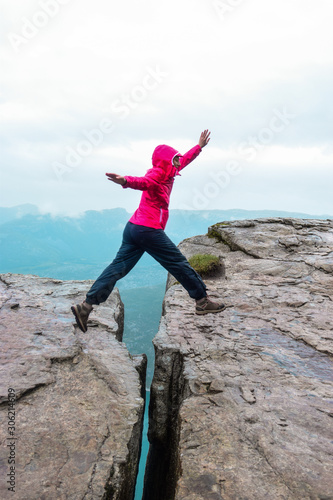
(157, 186)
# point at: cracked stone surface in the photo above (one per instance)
(246, 396)
(79, 404)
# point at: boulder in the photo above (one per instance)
(241, 401)
(74, 400)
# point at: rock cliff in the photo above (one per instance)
(73, 401)
(241, 402)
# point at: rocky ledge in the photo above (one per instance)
(241, 402)
(74, 401)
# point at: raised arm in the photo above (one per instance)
(194, 152)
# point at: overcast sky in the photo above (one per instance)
(89, 87)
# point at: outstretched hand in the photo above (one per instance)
(204, 138)
(118, 179)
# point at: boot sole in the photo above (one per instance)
(79, 322)
(207, 311)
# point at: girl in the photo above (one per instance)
(144, 232)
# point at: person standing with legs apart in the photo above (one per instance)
(144, 232)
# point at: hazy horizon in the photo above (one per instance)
(29, 208)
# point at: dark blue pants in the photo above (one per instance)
(136, 241)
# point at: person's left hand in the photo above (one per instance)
(204, 138)
(118, 179)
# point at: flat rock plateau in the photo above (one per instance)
(78, 397)
(241, 401)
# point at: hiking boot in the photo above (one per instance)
(81, 313)
(206, 306)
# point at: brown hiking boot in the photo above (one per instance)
(81, 313)
(206, 306)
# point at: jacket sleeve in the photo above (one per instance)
(189, 156)
(151, 179)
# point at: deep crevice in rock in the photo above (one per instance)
(168, 390)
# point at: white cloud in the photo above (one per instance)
(226, 74)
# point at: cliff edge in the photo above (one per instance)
(241, 401)
(71, 403)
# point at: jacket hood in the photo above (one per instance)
(163, 156)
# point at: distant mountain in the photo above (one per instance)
(80, 247)
(42, 241)
(11, 213)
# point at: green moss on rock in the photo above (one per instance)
(206, 265)
(213, 230)
(212, 233)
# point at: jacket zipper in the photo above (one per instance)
(160, 215)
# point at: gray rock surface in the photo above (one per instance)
(79, 406)
(241, 401)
